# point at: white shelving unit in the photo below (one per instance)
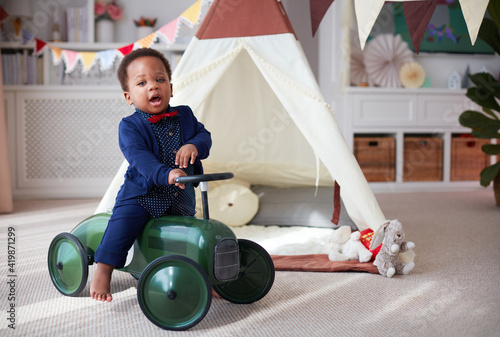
(124, 30)
(404, 112)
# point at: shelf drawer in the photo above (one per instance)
(443, 110)
(423, 159)
(377, 110)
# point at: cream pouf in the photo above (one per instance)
(230, 203)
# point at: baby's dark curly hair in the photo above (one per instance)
(142, 52)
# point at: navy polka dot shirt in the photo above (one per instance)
(168, 199)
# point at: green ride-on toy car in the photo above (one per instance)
(177, 260)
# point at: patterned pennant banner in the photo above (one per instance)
(27, 36)
(3, 14)
(318, 10)
(70, 58)
(147, 41)
(126, 50)
(191, 16)
(39, 46)
(367, 12)
(169, 31)
(16, 23)
(88, 59)
(106, 58)
(417, 15)
(56, 54)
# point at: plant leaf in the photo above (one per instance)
(494, 11)
(490, 112)
(483, 98)
(488, 32)
(481, 125)
(488, 174)
(491, 149)
(487, 84)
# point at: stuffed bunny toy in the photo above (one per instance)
(392, 237)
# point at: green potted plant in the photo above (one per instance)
(486, 93)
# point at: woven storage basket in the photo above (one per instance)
(467, 158)
(376, 157)
(423, 159)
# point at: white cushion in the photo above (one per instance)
(231, 204)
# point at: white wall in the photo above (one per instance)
(439, 66)
(169, 10)
(298, 13)
(324, 51)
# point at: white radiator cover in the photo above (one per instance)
(66, 146)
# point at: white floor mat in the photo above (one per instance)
(293, 240)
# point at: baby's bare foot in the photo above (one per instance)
(100, 286)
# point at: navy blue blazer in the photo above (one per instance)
(140, 148)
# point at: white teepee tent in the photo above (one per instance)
(245, 76)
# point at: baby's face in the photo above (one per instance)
(149, 88)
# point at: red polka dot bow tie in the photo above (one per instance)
(159, 117)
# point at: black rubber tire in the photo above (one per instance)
(256, 275)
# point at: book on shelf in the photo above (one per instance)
(21, 68)
(77, 24)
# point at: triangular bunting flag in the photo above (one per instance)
(127, 49)
(16, 22)
(192, 14)
(57, 54)
(70, 57)
(27, 36)
(417, 15)
(147, 41)
(473, 11)
(39, 45)
(366, 13)
(3, 14)
(88, 59)
(169, 31)
(106, 57)
(318, 9)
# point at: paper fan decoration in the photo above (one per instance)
(412, 75)
(384, 56)
(358, 70)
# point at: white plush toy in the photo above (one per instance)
(337, 240)
(353, 249)
(345, 246)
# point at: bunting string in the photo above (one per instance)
(167, 35)
(367, 12)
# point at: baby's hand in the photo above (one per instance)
(174, 174)
(186, 155)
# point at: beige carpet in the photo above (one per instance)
(453, 291)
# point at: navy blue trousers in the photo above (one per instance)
(124, 226)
